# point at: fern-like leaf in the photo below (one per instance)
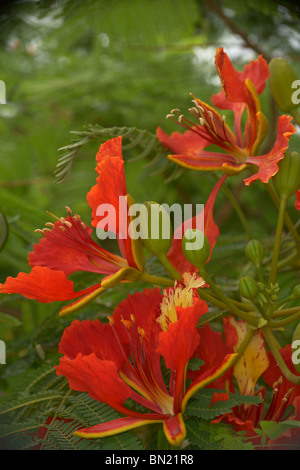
(131, 137)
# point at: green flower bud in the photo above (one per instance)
(254, 252)
(155, 228)
(296, 348)
(282, 76)
(287, 179)
(195, 247)
(296, 292)
(248, 288)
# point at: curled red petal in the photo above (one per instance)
(87, 337)
(257, 71)
(99, 378)
(211, 231)
(174, 429)
(113, 427)
(232, 84)
(43, 284)
(268, 163)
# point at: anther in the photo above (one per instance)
(201, 120)
(174, 111)
(180, 117)
(68, 210)
(169, 116)
(111, 320)
(49, 224)
(67, 223)
(126, 323)
(38, 230)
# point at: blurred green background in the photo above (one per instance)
(119, 63)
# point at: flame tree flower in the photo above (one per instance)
(255, 362)
(121, 359)
(239, 93)
(67, 245)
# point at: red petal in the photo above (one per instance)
(87, 337)
(174, 429)
(111, 148)
(232, 84)
(178, 343)
(297, 203)
(114, 427)
(189, 143)
(212, 350)
(258, 72)
(99, 378)
(43, 284)
(72, 249)
(211, 231)
(111, 191)
(209, 376)
(268, 163)
(110, 186)
(180, 340)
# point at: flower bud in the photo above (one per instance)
(195, 247)
(287, 179)
(155, 228)
(296, 292)
(296, 348)
(254, 252)
(248, 288)
(282, 76)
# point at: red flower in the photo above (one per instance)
(122, 359)
(253, 364)
(240, 92)
(67, 245)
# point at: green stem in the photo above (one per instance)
(285, 312)
(285, 321)
(169, 267)
(278, 358)
(238, 210)
(151, 279)
(287, 220)
(247, 316)
(276, 249)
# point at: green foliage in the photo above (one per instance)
(119, 66)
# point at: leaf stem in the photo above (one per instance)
(276, 249)
(238, 210)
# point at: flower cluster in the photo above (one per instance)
(137, 360)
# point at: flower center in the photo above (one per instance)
(139, 373)
(211, 127)
(181, 295)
